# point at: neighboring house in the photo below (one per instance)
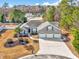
(31, 26)
(1, 28)
(49, 30)
(29, 16)
(43, 29)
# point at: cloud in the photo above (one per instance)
(55, 4)
(37, 4)
(10, 5)
(46, 3)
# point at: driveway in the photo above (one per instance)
(54, 47)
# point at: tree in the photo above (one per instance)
(44, 16)
(1, 17)
(66, 15)
(49, 14)
(75, 42)
(17, 15)
(18, 30)
(24, 19)
(76, 14)
(75, 32)
(12, 21)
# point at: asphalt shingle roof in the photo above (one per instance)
(43, 28)
(34, 23)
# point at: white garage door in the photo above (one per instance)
(57, 35)
(42, 35)
(49, 35)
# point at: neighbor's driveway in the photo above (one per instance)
(55, 48)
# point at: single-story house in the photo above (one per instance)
(43, 29)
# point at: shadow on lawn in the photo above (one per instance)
(2, 31)
(11, 43)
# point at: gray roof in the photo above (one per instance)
(43, 28)
(55, 24)
(34, 23)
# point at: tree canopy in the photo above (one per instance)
(49, 14)
(66, 14)
(17, 16)
(1, 17)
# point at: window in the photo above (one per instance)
(42, 35)
(50, 28)
(57, 36)
(34, 30)
(49, 35)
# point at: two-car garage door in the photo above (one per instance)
(42, 35)
(49, 35)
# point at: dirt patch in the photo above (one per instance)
(35, 36)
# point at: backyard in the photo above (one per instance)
(16, 51)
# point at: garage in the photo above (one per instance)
(49, 32)
(42, 35)
(57, 36)
(49, 35)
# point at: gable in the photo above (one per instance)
(49, 28)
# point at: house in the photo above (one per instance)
(29, 16)
(31, 26)
(49, 30)
(1, 28)
(43, 29)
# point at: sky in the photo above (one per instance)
(30, 2)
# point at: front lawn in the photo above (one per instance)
(17, 51)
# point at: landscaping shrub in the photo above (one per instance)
(76, 44)
(9, 43)
(23, 42)
(35, 41)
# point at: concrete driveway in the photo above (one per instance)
(54, 47)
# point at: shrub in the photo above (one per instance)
(76, 44)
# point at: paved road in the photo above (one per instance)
(53, 47)
(44, 57)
